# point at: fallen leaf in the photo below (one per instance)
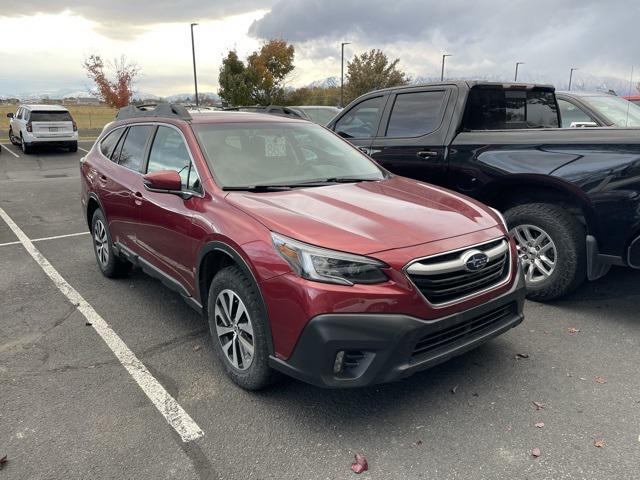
(475, 395)
(522, 355)
(538, 406)
(573, 330)
(3, 462)
(360, 464)
(535, 452)
(600, 379)
(419, 442)
(539, 424)
(598, 443)
(88, 324)
(196, 348)
(453, 390)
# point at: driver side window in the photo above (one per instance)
(169, 152)
(362, 120)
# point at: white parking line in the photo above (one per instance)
(173, 413)
(46, 238)
(85, 151)
(9, 150)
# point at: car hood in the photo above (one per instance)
(366, 217)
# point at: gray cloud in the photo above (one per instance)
(123, 19)
(484, 36)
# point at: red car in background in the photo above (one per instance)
(633, 99)
(304, 255)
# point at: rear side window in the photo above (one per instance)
(108, 143)
(51, 116)
(500, 109)
(570, 113)
(169, 152)
(415, 114)
(362, 120)
(132, 152)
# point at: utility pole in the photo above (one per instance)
(342, 73)
(515, 79)
(442, 71)
(193, 52)
(571, 76)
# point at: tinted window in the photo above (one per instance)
(361, 121)
(57, 116)
(499, 109)
(570, 113)
(169, 152)
(108, 144)
(279, 153)
(415, 114)
(132, 151)
(19, 114)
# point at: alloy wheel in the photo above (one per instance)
(536, 251)
(234, 329)
(101, 242)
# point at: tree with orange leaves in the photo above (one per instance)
(116, 93)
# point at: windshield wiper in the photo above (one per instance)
(257, 188)
(322, 181)
(317, 182)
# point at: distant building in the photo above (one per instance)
(81, 101)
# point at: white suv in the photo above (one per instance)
(43, 125)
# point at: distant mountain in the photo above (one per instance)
(325, 83)
(189, 97)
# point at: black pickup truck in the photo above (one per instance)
(571, 197)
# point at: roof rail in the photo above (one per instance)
(165, 110)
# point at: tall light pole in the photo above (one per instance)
(515, 79)
(442, 71)
(571, 76)
(342, 73)
(193, 52)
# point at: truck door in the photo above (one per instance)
(412, 134)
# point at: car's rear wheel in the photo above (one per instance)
(111, 265)
(26, 147)
(551, 244)
(237, 322)
(73, 147)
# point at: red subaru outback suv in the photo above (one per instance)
(304, 255)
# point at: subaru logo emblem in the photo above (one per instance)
(475, 260)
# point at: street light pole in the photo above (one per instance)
(515, 79)
(193, 52)
(571, 77)
(342, 73)
(442, 71)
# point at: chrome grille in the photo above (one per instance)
(446, 278)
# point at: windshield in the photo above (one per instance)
(246, 154)
(321, 116)
(618, 110)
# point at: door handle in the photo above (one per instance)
(137, 198)
(427, 154)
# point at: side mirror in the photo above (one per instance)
(163, 181)
(10, 115)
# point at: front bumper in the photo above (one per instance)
(381, 348)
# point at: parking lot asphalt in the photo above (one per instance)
(69, 409)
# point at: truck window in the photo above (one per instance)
(570, 113)
(415, 114)
(501, 109)
(362, 120)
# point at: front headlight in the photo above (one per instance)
(322, 265)
(497, 212)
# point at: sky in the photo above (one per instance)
(50, 39)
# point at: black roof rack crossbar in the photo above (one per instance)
(163, 110)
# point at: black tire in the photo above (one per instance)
(73, 147)
(12, 138)
(111, 265)
(257, 374)
(27, 148)
(569, 238)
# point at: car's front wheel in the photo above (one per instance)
(12, 137)
(551, 244)
(237, 322)
(110, 264)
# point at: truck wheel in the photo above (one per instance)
(26, 147)
(110, 264)
(73, 147)
(238, 329)
(552, 249)
(12, 138)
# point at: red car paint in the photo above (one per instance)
(394, 220)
